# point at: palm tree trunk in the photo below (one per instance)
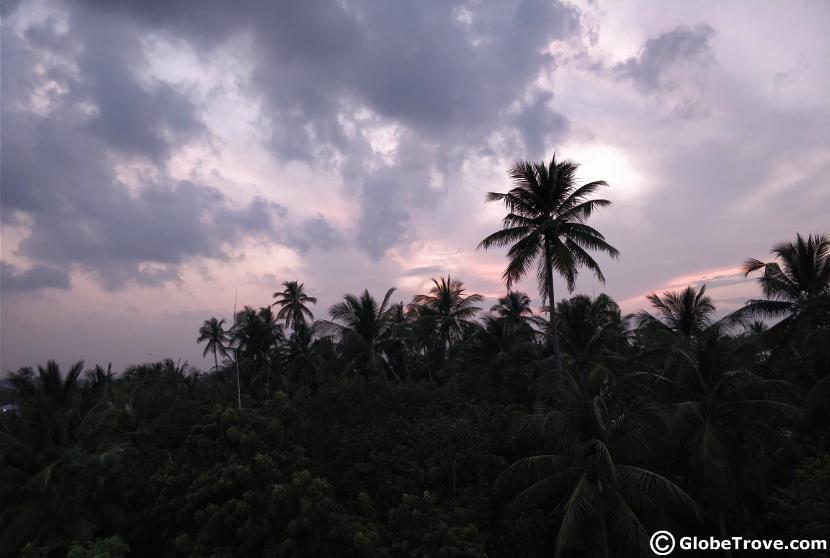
(553, 333)
(215, 360)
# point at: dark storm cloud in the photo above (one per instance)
(538, 124)
(260, 217)
(134, 119)
(38, 277)
(58, 162)
(95, 64)
(388, 195)
(315, 232)
(431, 65)
(9, 6)
(660, 53)
(448, 75)
(385, 219)
(448, 72)
(81, 214)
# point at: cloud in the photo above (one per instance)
(61, 174)
(82, 214)
(444, 80)
(423, 270)
(540, 126)
(426, 67)
(326, 76)
(682, 44)
(70, 124)
(314, 233)
(327, 73)
(35, 278)
(796, 70)
(92, 70)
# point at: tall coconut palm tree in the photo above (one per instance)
(421, 330)
(292, 302)
(498, 352)
(589, 327)
(216, 337)
(720, 405)
(57, 440)
(451, 311)
(545, 225)
(257, 338)
(397, 345)
(797, 286)
(686, 312)
(50, 401)
(363, 325)
(274, 342)
(514, 306)
(514, 310)
(256, 332)
(601, 507)
(246, 332)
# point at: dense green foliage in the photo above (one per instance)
(418, 430)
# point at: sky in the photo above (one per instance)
(163, 161)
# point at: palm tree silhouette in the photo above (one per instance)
(590, 328)
(450, 310)
(363, 327)
(602, 507)
(400, 338)
(687, 312)
(498, 353)
(257, 340)
(797, 288)
(515, 311)
(216, 337)
(545, 223)
(292, 302)
(720, 403)
(59, 428)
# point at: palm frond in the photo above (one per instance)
(580, 510)
(634, 481)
